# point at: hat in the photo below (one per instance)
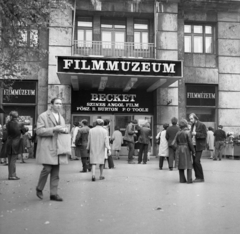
(99, 121)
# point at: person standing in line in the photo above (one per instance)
(170, 135)
(210, 141)
(74, 132)
(220, 137)
(144, 141)
(199, 140)
(3, 155)
(82, 140)
(163, 147)
(49, 124)
(98, 140)
(26, 139)
(117, 141)
(183, 152)
(14, 144)
(129, 139)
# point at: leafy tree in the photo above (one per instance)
(23, 24)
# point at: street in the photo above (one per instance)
(132, 199)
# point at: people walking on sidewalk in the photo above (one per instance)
(98, 140)
(210, 141)
(49, 124)
(144, 141)
(81, 142)
(199, 140)
(220, 137)
(183, 152)
(14, 143)
(170, 135)
(74, 132)
(163, 147)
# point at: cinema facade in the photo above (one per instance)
(148, 60)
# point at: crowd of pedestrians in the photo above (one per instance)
(180, 144)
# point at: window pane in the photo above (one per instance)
(33, 37)
(119, 26)
(106, 40)
(80, 35)
(198, 44)
(119, 37)
(84, 24)
(140, 26)
(88, 35)
(187, 44)
(145, 40)
(208, 45)
(106, 26)
(137, 40)
(208, 29)
(187, 28)
(197, 29)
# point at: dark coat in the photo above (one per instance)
(184, 149)
(171, 133)
(3, 149)
(201, 136)
(14, 144)
(82, 140)
(145, 134)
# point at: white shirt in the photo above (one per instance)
(194, 137)
(56, 115)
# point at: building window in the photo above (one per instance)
(84, 32)
(141, 35)
(198, 39)
(113, 34)
(29, 37)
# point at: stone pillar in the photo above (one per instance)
(60, 41)
(167, 49)
(229, 70)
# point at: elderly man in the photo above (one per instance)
(199, 137)
(220, 137)
(98, 140)
(49, 124)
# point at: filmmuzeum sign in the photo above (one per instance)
(119, 66)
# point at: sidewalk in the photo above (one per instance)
(132, 199)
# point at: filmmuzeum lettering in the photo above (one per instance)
(201, 95)
(19, 92)
(109, 65)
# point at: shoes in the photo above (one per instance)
(139, 162)
(170, 169)
(55, 198)
(144, 163)
(131, 162)
(14, 178)
(76, 159)
(198, 180)
(102, 178)
(214, 159)
(39, 193)
(93, 178)
(83, 171)
(22, 162)
(219, 159)
(90, 169)
(160, 168)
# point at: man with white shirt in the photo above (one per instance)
(199, 136)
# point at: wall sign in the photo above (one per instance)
(20, 92)
(119, 66)
(201, 95)
(112, 102)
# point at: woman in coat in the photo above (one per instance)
(14, 144)
(3, 155)
(210, 141)
(183, 152)
(117, 141)
(163, 147)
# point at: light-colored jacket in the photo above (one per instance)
(47, 139)
(98, 140)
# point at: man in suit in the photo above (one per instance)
(49, 124)
(170, 135)
(144, 141)
(220, 137)
(199, 136)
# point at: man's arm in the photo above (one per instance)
(201, 131)
(42, 130)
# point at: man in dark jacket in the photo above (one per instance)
(220, 137)
(170, 135)
(81, 142)
(199, 136)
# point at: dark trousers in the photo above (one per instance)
(161, 160)
(219, 146)
(86, 164)
(197, 165)
(183, 178)
(143, 149)
(53, 170)
(12, 165)
(130, 151)
(171, 157)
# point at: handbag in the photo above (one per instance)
(64, 144)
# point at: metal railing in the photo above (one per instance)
(111, 49)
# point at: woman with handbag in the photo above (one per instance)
(184, 149)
